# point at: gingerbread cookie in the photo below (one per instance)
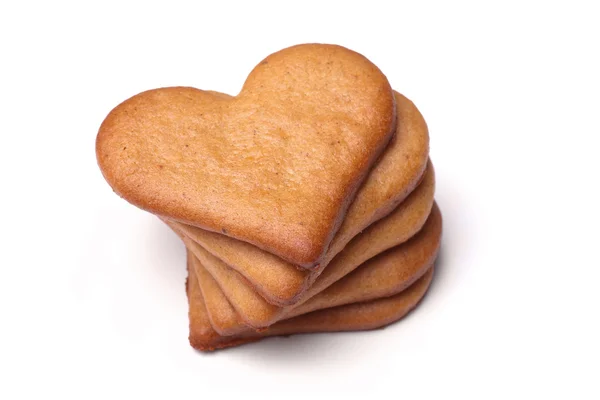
(276, 166)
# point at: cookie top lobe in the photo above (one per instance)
(276, 166)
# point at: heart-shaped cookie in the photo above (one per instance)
(276, 166)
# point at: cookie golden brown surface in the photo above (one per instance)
(393, 177)
(276, 166)
(305, 202)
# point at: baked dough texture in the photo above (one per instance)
(306, 202)
(276, 166)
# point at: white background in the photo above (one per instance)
(92, 301)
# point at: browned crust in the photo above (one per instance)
(400, 169)
(383, 275)
(415, 210)
(352, 317)
(140, 149)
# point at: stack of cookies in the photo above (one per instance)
(306, 202)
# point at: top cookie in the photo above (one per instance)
(275, 166)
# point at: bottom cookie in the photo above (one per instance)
(352, 317)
